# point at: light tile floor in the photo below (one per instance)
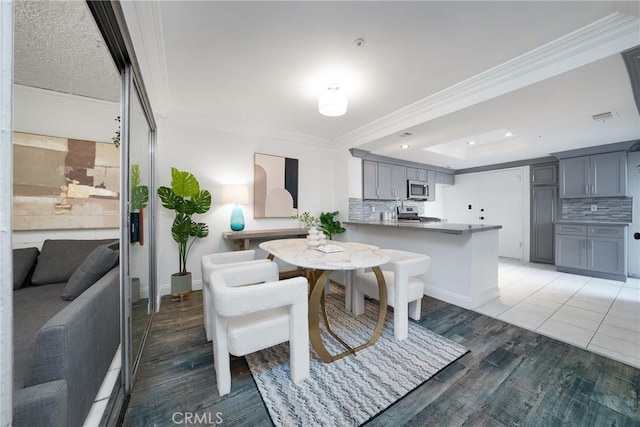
(597, 314)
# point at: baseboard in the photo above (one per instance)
(450, 297)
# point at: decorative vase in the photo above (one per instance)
(313, 239)
(237, 219)
(322, 238)
(180, 286)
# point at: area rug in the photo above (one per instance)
(352, 390)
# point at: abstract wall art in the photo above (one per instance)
(275, 188)
(61, 183)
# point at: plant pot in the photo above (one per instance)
(180, 286)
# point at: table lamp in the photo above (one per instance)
(238, 195)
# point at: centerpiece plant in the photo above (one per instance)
(185, 198)
(327, 222)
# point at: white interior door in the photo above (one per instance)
(500, 202)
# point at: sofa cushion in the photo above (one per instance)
(59, 259)
(99, 261)
(33, 306)
(24, 261)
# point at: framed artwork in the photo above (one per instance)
(61, 183)
(275, 186)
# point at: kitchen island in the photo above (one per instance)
(464, 257)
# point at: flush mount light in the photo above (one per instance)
(332, 103)
(471, 143)
(404, 146)
(508, 134)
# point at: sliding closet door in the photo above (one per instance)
(6, 175)
(139, 255)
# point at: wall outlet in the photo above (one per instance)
(594, 208)
(373, 208)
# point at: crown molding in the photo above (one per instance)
(149, 29)
(604, 37)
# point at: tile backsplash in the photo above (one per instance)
(370, 210)
(609, 209)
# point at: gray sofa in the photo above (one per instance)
(63, 349)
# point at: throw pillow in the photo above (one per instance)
(60, 258)
(24, 261)
(99, 261)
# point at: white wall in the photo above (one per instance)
(633, 190)
(466, 191)
(217, 157)
(45, 112)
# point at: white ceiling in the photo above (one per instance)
(445, 71)
(57, 46)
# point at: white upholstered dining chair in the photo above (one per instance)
(214, 262)
(253, 310)
(404, 287)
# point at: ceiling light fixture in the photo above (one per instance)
(471, 143)
(508, 134)
(404, 146)
(332, 103)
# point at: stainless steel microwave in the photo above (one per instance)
(418, 190)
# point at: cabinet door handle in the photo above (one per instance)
(586, 189)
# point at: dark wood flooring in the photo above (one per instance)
(510, 377)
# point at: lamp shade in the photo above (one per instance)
(235, 194)
(332, 103)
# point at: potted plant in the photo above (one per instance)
(330, 226)
(187, 199)
(139, 201)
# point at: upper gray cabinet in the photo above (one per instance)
(369, 179)
(417, 174)
(598, 175)
(392, 181)
(544, 174)
(383, 181)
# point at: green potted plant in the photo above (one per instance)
(186, 199)
(330, 226)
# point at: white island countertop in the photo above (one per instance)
(464, 257)
(439, 227)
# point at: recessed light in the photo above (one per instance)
(404, 146)
(471, 143)
(508, 134)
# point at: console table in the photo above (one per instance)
(240, 240)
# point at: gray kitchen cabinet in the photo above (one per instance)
(398, 182)
(574, 177)
(571, 251)
(431, 176)
(544, 210)
(596, 250)
(417, 174)
(598, 175)
(369, 179)
(606, 254)
(608, 174)
(391, 182)
(545, 174)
